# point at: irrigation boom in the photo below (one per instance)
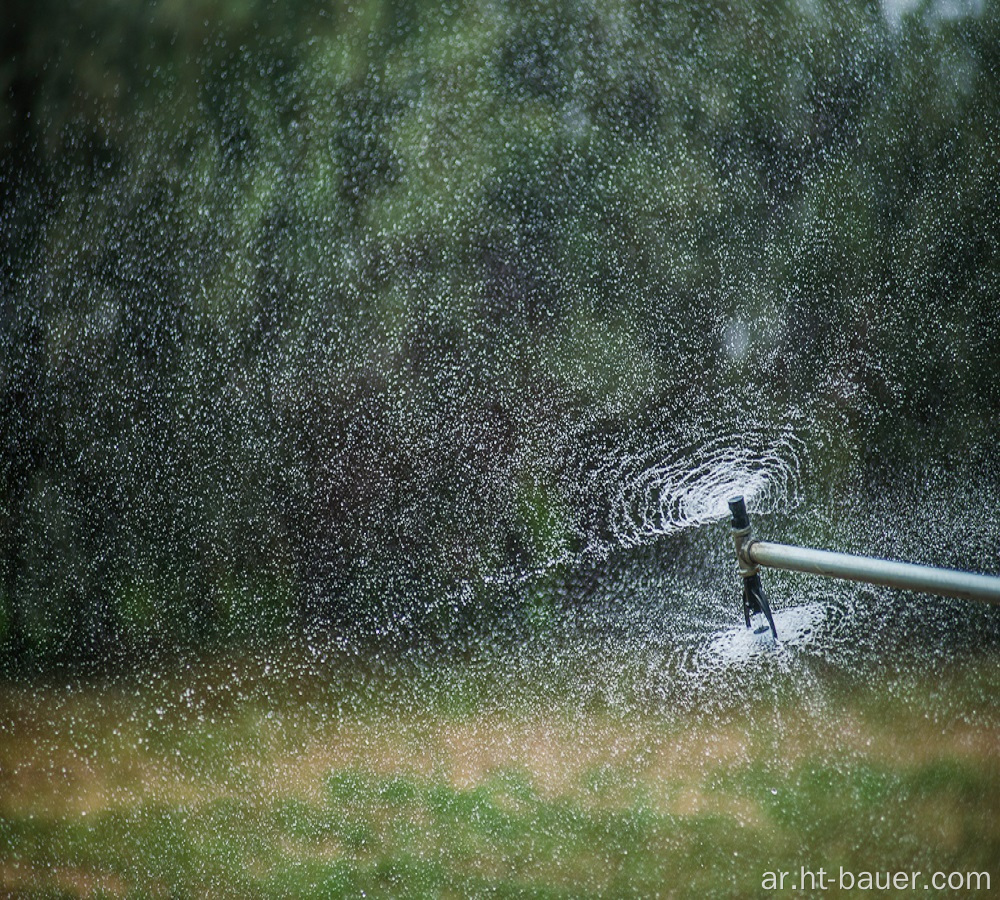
(752, 554)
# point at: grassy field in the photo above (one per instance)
(289, 778)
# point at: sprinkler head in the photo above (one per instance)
(754, 598)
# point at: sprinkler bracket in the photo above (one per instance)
(751, 554)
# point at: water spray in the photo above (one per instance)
(752, 554)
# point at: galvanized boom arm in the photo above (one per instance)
(751, 554)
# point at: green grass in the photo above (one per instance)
(423, 837)
(243, 782)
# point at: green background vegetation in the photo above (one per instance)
(300, 301)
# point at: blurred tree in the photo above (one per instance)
(308, 308)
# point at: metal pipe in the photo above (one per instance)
(751, 554)
(908, 576)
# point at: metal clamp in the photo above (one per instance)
(743, 540)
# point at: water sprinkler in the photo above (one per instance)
(752, 554)
(754, 598)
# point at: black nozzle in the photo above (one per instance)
(755, 602)
(739, 510)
